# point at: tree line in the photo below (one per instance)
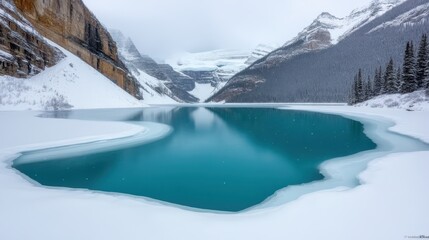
(412, 76)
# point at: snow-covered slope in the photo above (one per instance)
(69, 84)
(417, 15)
(317, 65)
(259, 52)
(339, 28)
(416, 101)
(211, 70)
(152, 79)
(327, 30)
(223, 63)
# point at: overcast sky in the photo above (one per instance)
(163, 27)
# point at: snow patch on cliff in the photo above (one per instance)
(414, 16)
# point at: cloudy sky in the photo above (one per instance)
(163, 27)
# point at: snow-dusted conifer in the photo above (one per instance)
(389, 78)
(398, 80)
(422, 62)
(359, 87)
(353, 93)
(368, 89)
(409, 70)
(378, 85)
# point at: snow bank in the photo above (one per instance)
(391, 204)
(72, 83)
(415, 101)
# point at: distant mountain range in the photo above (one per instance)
(188, 77)
(318, 65)
(57, 52)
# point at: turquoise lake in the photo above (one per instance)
(223, 159)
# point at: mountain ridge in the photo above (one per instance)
(322, 75)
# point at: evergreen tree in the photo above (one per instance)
(359, 87)
(389, 78)
(377, 82)
(422, 62)
(398, 80)
(426, 80)
(368, 89)
(382, 81)
(353, 93)
(408, 70)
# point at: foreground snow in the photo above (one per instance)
(391, 203)
(72, 83)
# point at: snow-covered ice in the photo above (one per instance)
(390, 204)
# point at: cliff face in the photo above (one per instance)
(71, 25)
(157, 80)
(23, 52)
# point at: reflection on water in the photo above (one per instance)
(226, 159)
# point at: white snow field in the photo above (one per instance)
(71, 83)
(390, 204)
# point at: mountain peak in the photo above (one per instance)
(326, 15)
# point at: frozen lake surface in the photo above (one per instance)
(223, 159)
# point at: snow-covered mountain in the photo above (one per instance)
(327, 30)
(211, 70)
(418, 15)
(318, 64)
(150, 76)
(188, 78)
(220, 65)
(259, 52)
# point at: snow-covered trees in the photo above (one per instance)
(413, 76)
(368, 89)
(398, 80)
(389, 79)
(361, 90)
(378, 83)
(57, 103)
(409, 70)
(422, 62)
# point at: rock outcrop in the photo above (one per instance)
(23, 52)
(71, 25)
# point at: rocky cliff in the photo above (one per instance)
(159, 83)
(70, 24)
(23, 52)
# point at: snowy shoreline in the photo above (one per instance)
(343, 172)
(151, 217)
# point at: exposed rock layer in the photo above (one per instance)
(71, 25)
(23, 52)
